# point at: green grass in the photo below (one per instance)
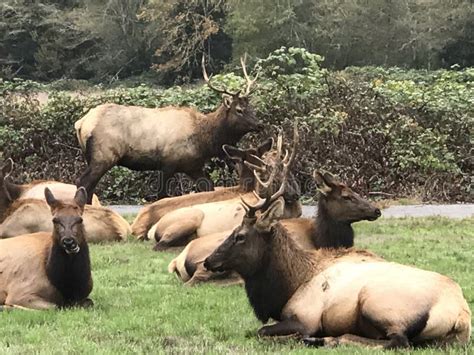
(140, 308)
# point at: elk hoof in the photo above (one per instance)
(86, 303)
(311, 341)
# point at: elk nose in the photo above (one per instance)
(378, 213)
(69, 242)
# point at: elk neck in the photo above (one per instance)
(283, 269)
(330, 233)
(69, 274)
(215, 130)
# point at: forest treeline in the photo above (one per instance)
(105, 40)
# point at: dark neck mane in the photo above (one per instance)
(283, 269)
(330, 233)
(69, 274)
(214, 131)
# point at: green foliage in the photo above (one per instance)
(140, 308)
(402, 132)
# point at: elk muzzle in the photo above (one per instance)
(70, 245)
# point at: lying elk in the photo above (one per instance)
(178, 227)
(10, 192)
(338, 207)
(101, 224)
(170, 139)
(151, 214)
(340, 296)
(47, 270)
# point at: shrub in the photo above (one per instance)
(383, 130)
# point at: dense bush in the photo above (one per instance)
(396, 132)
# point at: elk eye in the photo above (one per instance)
(239, 238)
(239, 110)
(55, 220)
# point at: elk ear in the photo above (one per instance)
(7, 168)
(321, 184)
(80, 198)
(330, 179)
(227, 101)
(50, 199)
(233, 153)
(266, 220)
(265, 146)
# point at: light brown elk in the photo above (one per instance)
(169, 139)
(338, 207)
(10, 192)
(338, 296)
(151, 214)
(48, 270)
(101, 224)
(178, 227)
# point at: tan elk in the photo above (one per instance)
(151, 214)
(101, 224)
(178, 227)
(48, 270)
(10, 192)
(169, 139)
(338, 296)
(338, 207)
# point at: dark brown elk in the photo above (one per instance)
(338, 296)
(151, 214)
(48, 270)
(101, 224)
(338, 207)
(10, 192)
(169, 139)
(178, 227)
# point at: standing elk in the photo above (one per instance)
(170, 139)
(48, 270)
(338, 296)
(101, 224)
(151, 214)
(10, 192)
(338, 207)
(178, 227)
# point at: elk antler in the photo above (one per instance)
(262, 203)
(208, 81)
(244, 69)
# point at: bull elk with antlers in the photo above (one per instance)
(338, 296)
(179, 226)
(170, 139)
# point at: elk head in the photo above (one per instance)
(340, 202)
(239, 112)
(240, 156)
(8, 193)
(244, 249)
(67, 220)
(274, 167)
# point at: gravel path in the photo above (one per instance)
(451, 211)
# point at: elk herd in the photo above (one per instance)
(302, 273)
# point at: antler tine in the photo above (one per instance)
(253, 166)
(258, 159)
(296, 137)
(252, 209)
(207, 79)
(244, 69)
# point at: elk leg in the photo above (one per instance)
(165, 181)
(176, 228)
(288, 326)
(91, 177)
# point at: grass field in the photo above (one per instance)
(140, 308)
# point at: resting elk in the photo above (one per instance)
(179, 226)
(101, 224)
(151, 214)
(48, 270)
(338, 207)
(338, 296)
(170, 139)
(10, 192)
